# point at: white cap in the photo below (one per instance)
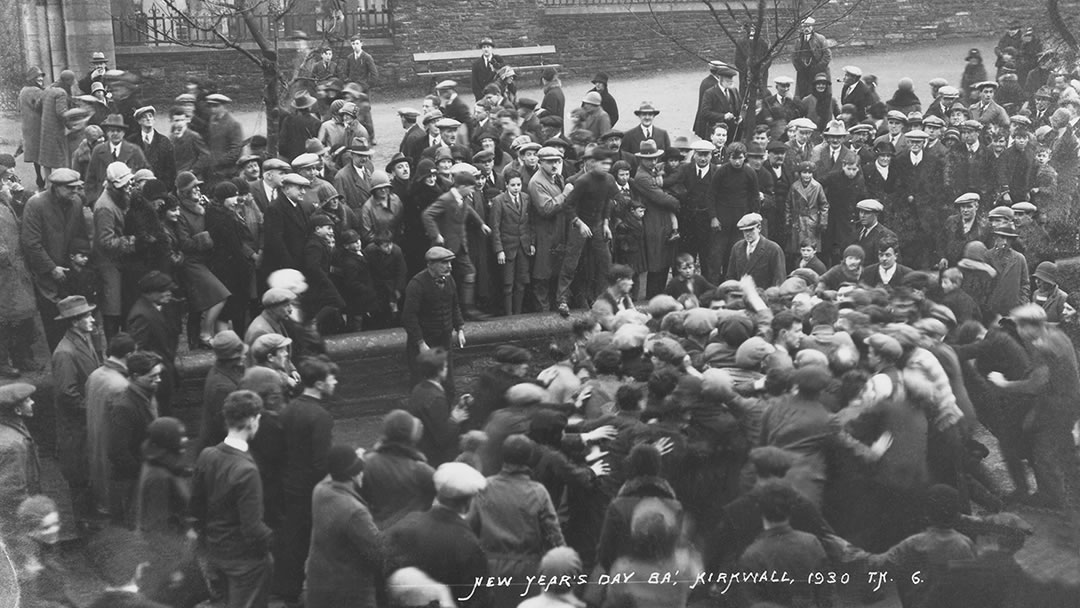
(118, 174)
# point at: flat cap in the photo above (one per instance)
(916, 134)
(156, 281)
(408, 112)
(986, 84)
(938, 82)
(307, 159)
(268, 343)
(15, 393)
(217, 98)
(439, 254)
(65, 177)
(118, 174)
(869, 204)
(933, 121)
(447, 123)
(725, 70)
(966, 198)
(971, 125)
(896, 115)
(860, 128)
(788, 80)
(227, 345)
(512, 354)
(803, 123)
(703, 145)
(774, 146)
(750, 220)
(275, 164)
(545, 153)
(143, 110)
(295, 179)
(446, 84)
(454, 480)
(526, 393)
(949, 91)
(525, 102)
(1024, 207)
(885, 346)
(277, 295)
(1003, 212)
(319, 219)
(1020, 119)
(853, 70)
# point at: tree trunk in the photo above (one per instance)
(1060, 27)
(748, 117)
(271, 103)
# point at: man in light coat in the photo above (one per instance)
(104, 387)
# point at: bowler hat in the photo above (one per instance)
(113, 121)
(884, 148)
(648, 149)
(73, 306)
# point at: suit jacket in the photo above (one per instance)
(511, 225)
(631, 141)
(307, 430)
(482, 75)
(258, 193)
(152, 331)
(717, 102)
(354, 187)
(100, 158)
(286, 231)
(765, 265)
(360, 70)
(190, 153)
(991, 113)
(159, 156)
(870, 242)
(823, 162)
(225, 140)
(446, 218)
(871, 275)
(858, 96)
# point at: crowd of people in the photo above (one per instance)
(831, 320)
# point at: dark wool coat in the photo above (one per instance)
(55, 100)
(439, 542)
(308, 428)
(615, 540)
(100, 159)
(345, 563)
(659, 207)
(159, 155)
(286, 232)
(397, 481)
(49, 226)
(429, 404)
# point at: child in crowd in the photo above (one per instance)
(808, 209)
(959, 301)
(389, 274)
(685, 280)
(84, 280)
(808, 258)
(1048, 295)
(630, 243)
(357, 286)
(512, 238)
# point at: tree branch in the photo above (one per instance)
(1060, 28)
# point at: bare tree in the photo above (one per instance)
(774, 24)
(229, 24)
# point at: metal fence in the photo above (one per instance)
(164, 27)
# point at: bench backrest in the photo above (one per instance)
(473, 53)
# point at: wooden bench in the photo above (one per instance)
(427, 63)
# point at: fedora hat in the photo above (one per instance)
(73, 306)
(646, 107)
(835, 127)
(113, 121)
(302, 100)
(648, 149)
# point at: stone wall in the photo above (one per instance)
(374, 377)
(614, 38)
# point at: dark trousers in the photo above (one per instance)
(655, 282)
(291, 544)
(720, 252)
(1053, 455)
(71, 453)
(242, 583)
(595, 265)
(54, 330)
(17, 342)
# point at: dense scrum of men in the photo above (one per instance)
(792, 334)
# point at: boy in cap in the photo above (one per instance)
(961, 228)
(445, 223)
(485, 67)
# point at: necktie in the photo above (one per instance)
(559, 181)
(116, 153)
(648, 133)
(865, 233)
(701, 173)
